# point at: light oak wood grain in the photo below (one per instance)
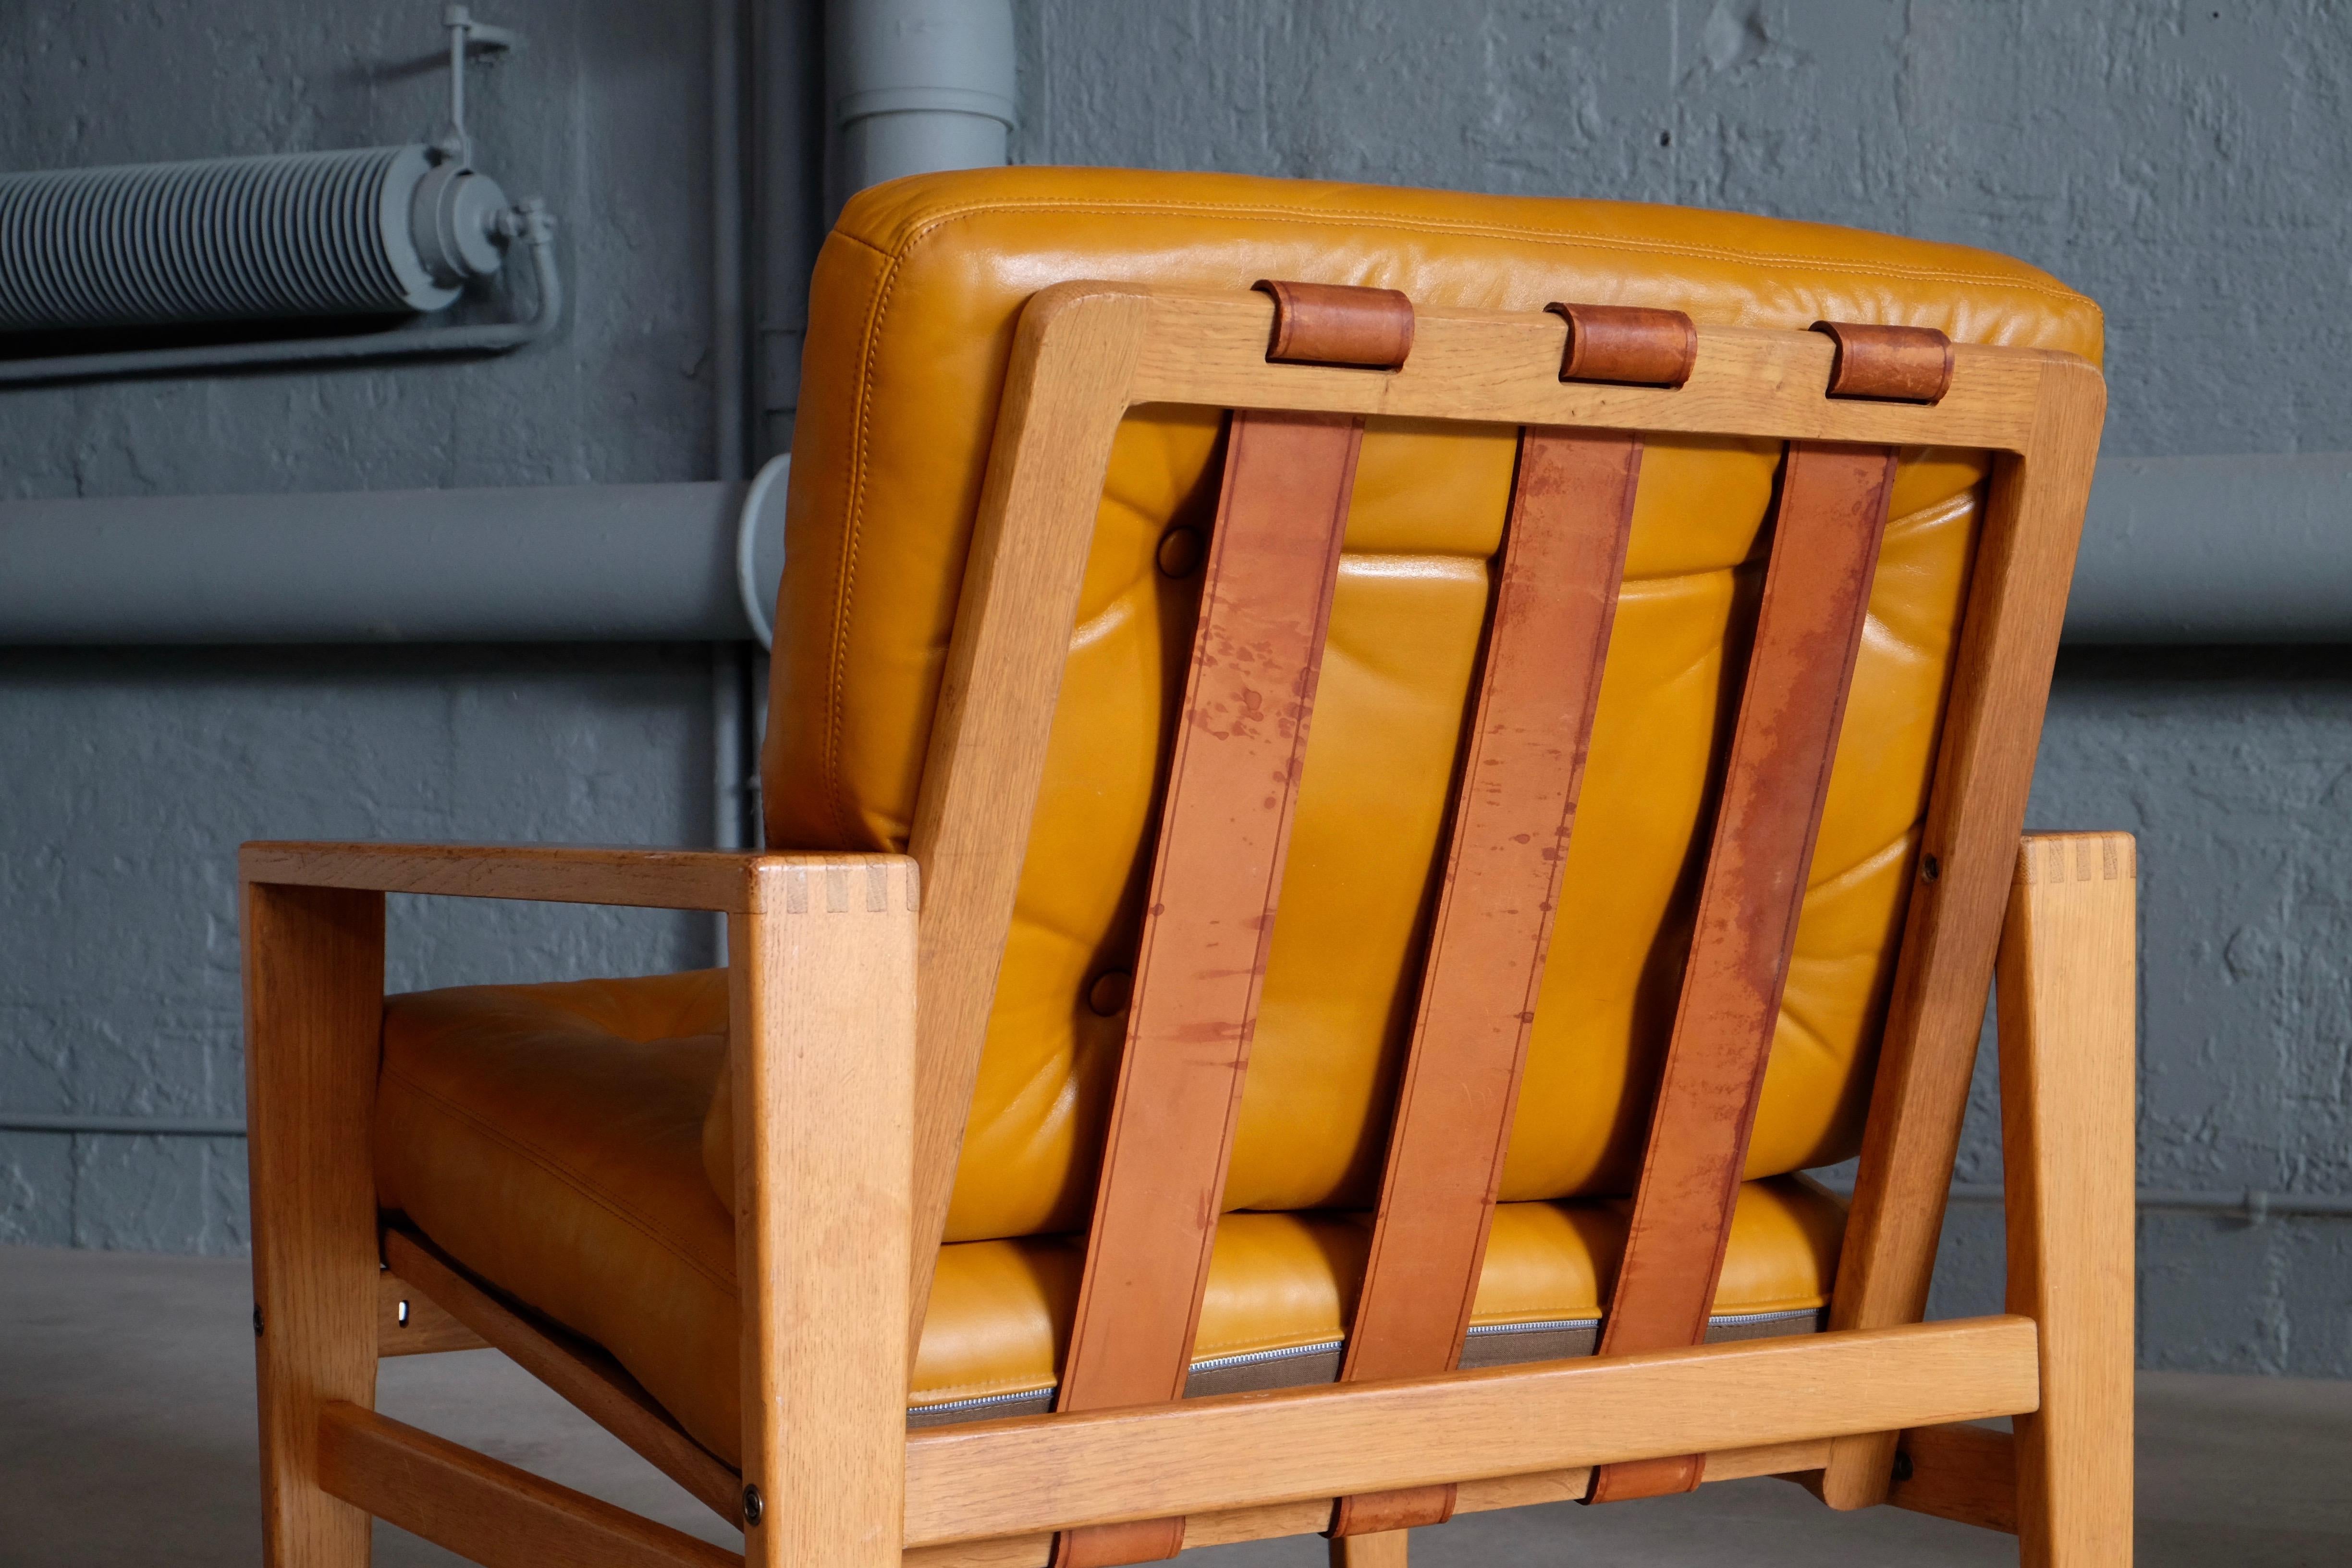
(1380, 1549)
(1033, 1473)
(557, 873)
(1992, 727)
(313, 998)
(1210, 348)
(821, 1006)
(1966, 1473)
(410, 1322)
(1230, 1526)
(2069, 1043)
(592, 1381)
(1066, 390)
(483, 1510)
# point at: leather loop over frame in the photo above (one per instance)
(1888, 365)
(1338, 324)
(1626, 345)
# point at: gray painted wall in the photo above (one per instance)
(130, 776)
(2185, 164)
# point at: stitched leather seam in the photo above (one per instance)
(499, 1135)
(948, 1394)
(931, 1398)
(1250, 1343)
(1328, 219)
(845, 587)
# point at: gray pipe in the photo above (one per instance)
(2251, 1204)
(556, 563)
(2178, 550)
(125, 1126)
(2216, 549)
(919, 85)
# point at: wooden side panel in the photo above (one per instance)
(1382, 1549)
(313, 1021)
(594, 1383)
(486, 1510)
(1825, 542)
(1963, 1472)
(557, 873)
(2069, 1080)
(1563, 561)
(410, 1322)
(1065, 390)
(822, 986)
(1992, 726)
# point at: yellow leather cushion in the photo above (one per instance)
(548, 1138)
(911, 318)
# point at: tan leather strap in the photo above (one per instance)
(1833, 514)
(1563, 559)
(1265, 603)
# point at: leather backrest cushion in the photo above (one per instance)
(912, 315)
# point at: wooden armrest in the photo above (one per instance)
(732, 880)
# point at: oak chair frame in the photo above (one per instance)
(829, 946)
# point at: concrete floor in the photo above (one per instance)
(127, 1435)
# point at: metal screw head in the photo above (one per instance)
(1930, 867)
(256, 1319)
(1902, 1466)
(752, 1506)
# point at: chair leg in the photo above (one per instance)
(2068, 1075)
(313, 1019)
(821, 988)
(1382, 1549)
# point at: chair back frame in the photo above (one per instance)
(1085, 353)
(843, 1178)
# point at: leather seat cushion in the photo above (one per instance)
(912, 314)
(549, 1137)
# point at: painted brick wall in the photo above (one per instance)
(128, 777)
(2182, 162)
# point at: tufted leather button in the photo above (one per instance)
(1179, 551)
(1109, 996)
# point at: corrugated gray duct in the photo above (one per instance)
(376, 231)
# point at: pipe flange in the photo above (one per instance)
(457, 220)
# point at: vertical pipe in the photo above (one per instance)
(727, 323)
(729, 666)
(788, 165)
(917, 86)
